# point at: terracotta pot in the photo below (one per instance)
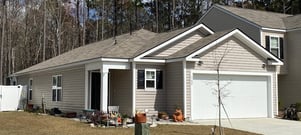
(140, 118)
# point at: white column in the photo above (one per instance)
(104, 91)
(134, 88)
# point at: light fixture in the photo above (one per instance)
(263, 65)
(200, 63)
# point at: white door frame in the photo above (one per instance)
(267, 74)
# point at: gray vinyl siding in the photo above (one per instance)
(73, 89)
(121, 90)
(289, 84)
(153, 100)
(239, 58)
(174, 86)
(213, 20)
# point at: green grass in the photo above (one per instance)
(23, 123)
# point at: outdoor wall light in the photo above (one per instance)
(200, 63)
(263, 65)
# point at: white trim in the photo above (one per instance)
(139, 57)
(133, 88)
(238, 34)
(273, 29)
(278, 41)
(184, 89)
(268, 74)
(114, 60)
(276, 91)
(149, 60)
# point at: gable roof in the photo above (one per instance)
(260, 18)
(242, 37)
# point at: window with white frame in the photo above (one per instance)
(150, 79)
(274, 44)
(30, 89)
(57, 88)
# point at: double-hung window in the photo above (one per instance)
(275, 45)
(30, 89)
(150, 79)
(57, 88)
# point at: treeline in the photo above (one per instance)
(33, 31)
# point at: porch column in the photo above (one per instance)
(104, 91)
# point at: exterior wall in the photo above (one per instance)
(213, 20)
(239, 58)
(153, 100)
(282, 69)
(289, 84)
(73, 88)
(174, 86)
(121, 90)
(180, 44)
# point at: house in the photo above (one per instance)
(159, 71)
(278, 33)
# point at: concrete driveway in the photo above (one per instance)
(266, 126)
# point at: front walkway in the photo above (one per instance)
(266, 126)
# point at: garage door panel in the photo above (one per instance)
(245, 96)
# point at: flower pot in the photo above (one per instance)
(140, 118)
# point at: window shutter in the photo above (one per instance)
(159, 79)
(140, 79)
(281, 48)
(267, 43)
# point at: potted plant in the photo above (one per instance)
(163, 115)
(124, 120)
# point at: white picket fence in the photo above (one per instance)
(12, 98)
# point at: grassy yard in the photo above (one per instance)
(23, 123)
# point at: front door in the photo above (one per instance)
(95, 90)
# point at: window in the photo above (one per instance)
(57, 88)
(150, 79)
(275, 45)
(30, 89)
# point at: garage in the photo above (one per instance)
(244, 96)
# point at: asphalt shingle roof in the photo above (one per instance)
(127, 46)
(293, 22)
(262, 18)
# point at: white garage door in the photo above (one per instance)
(243, 96)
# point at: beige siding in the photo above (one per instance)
(153, 100)
(180, 45)
(239, 58)
(121, 90)
(289, 85)
(174, 86)
(214, 20)
(73, 89)
(282, 69)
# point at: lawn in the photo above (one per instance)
(23, 123)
